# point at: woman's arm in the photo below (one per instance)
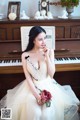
(28, 78)
(49, 54)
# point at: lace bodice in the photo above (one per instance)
(37, 73)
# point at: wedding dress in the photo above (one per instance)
(64, 103)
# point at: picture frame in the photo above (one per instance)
(14, 7)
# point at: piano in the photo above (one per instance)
(64, 61)
(67, 53)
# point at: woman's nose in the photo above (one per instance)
(43, 41)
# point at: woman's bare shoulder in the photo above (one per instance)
(51, 51)
(25, 54)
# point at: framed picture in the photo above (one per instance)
(14, 7)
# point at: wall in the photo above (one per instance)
(31, 6)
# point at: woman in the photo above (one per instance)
(39, 96)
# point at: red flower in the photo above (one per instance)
(46, 97)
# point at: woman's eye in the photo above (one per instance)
(40, 39)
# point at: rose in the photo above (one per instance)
(45, 94)
(46, 97)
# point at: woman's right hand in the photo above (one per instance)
(39, 101)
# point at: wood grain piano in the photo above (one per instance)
(67, 53)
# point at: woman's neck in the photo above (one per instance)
(36, 50)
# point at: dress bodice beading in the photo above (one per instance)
(37, 73)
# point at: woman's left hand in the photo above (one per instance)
(46, 51)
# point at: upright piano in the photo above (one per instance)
(67, 52)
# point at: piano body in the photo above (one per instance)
(67, 53)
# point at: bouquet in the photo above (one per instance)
(46, 97)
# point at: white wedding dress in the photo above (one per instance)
(64, 103)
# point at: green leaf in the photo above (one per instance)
(48, 104)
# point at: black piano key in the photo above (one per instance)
(19, 60)
(13, 60)
(72, 58)
(59, 59)
(66, 58)
(0, 61)
(78, 58)
(6, 61)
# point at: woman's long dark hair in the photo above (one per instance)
(34, 32)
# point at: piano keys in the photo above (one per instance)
(8, 66)
(65, 60)
(6, 63)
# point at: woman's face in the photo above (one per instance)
(40, 40)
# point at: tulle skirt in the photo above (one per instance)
(64, 103)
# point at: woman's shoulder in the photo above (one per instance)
(24, 54)
(51, 51)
